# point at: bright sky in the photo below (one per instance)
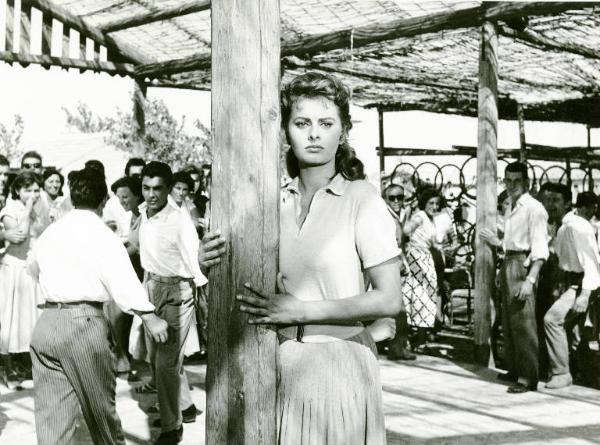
(38, 96)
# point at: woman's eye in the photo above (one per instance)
(301, 124)
(326, 124)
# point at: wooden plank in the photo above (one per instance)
(381, 144)
(185, 8)
(365, 35)
(487, 175)
(116, 47)
(46, 35)
(241, 375)
(522, 141)
(66, 42)
(25, 25)
(10, 18)
(122, 69)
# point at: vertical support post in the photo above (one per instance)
(487, 141)
(139, 112)
(46, 34)
(523, 143)
(10, 25)
(66, 42)
(242, 359)
(568, 169)
(589, 149)
(25, 25)
(381, 146)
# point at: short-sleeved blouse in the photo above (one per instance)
(348, 229)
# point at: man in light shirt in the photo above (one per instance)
(525, 246)
(169, 248)
(80, 265)
(578, 276)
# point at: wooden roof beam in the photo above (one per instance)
(185, 8)
(365, 35)
(67, 18)
(541, 42)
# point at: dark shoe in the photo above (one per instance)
(508, 377)
(189, 414)
(170, 437)
(519, 388)
(404, 354)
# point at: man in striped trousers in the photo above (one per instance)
(81, 264)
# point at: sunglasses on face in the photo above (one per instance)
(395, 198)
(34, 165)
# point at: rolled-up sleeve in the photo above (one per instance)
(538, 227)
(375, 231)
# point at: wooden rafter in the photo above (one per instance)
(123, 69)
(364, 35)
(68, 19)
(539, 41)
(188, 7)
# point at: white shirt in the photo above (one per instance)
(525, 228)
(114, 211)
(169, 243)
(78, 258)
(444, 226)
(576, 250)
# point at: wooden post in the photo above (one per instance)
(46, 35)
(589, 147)
(242, 359)
(10, 18)
(25, 25)
(139, 114)
(523, 144)
(66, 42)
(487, 141)
(568, 169)
(381, 146)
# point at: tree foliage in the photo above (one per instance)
(165, 138)
(10, 138)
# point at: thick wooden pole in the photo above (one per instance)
(381, 145)
(487, 141)
(10, 19)
(522, 141)
(241, 375)
(139, 106)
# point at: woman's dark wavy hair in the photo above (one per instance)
(51, 172)
(311, 85)
(24, 179)
(425, 195)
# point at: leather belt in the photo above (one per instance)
(167, 280)
(298, 332)
(70, 304)
(517, 252)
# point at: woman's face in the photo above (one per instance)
(52, 185)
(31, 191)
(127, 199)
(315, 131)
(432, 207)
(179, 192)
(505, 205)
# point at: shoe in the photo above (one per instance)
(153, 409)
(560, 381)
(520, 388)
(404, 354)
(189, 414)
(508, 377)
(170, 437)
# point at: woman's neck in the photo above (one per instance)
(312, 179)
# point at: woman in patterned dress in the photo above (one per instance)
(420, 287)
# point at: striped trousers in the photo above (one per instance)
(74, 367)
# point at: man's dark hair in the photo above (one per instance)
(31, 154)
(94, 164)
(88, 188)
(132, 183)
(4, 160)
(556, 187)
(518, 167)
(185, 178)
(586, 199)
(134, 162)
(156, 169)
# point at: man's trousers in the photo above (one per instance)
(74, 367)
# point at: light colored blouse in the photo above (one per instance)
(424, 236)
(347, 229)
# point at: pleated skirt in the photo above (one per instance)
(19, 296)
(330, 393)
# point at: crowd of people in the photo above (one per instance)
(125, 275)
(90, 253)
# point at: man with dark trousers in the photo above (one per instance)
(525, 250)
(81, 264)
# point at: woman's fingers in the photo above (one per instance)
(255, 291)
(253, 310)
(261, 320)
(257, 302)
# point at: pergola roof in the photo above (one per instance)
(548, 53)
